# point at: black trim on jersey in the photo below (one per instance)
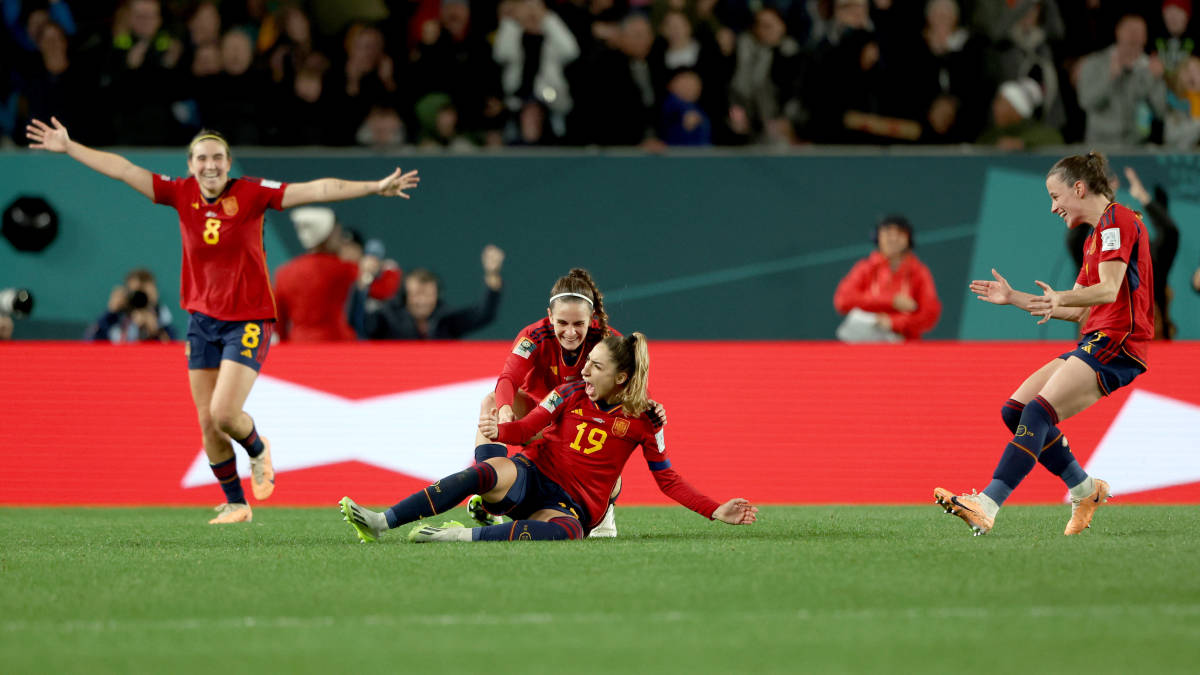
(570, 389)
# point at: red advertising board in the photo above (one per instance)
(796, 422)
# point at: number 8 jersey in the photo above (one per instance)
(224, 271)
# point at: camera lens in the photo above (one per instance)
(16, 301)
(138, 300)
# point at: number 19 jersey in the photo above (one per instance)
(224, 271)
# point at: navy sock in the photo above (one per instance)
(1021, 453)
(227, 475)
(490, 450)
(530, 530)
(252, 443)
(1056, 454)
(443, 495)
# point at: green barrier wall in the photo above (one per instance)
(704, 247)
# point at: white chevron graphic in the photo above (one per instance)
(425, 433)
(1152, 443)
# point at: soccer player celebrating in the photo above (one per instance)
(590, 428)
(224, 283)
(546, 354)
(1113, 300)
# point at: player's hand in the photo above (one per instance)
(489, 425)
(1135, 186)
(658, 414)
(46, 137)
(997, 292)
(493, 259)
(506, 414)
(736, 512)
(903, 302)
(1045, 305)
(395, 184)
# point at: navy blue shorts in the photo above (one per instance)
(209, 341)
(1114, 368)
(533, 491)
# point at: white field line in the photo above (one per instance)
(117, 625)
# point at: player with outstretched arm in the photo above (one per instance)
(1113, 299)
(589, 428)
(224, 283)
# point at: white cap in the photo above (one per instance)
(1024, 95)
(314, 224)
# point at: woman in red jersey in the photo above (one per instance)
(224, 283)
(546, 354)
(1113, 299)
(590, 429)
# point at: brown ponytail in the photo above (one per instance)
(631, 355)
(1091, 168)
(579, 281)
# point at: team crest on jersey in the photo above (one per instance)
(524, 348)
(620, 426)
(552, 401)
(230, 205)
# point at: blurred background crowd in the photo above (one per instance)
(464, 74)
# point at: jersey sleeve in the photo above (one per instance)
(1118, 237)
(550, 409)
(165, 190)
(268, 193)
(516, 367)
(654, 451)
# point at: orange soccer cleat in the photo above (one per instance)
(965, 506)
(232, 513)
(262, 473)
(1082, 510)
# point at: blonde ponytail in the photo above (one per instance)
(632, 357)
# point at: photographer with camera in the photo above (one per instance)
(134, 313)
(14, 303)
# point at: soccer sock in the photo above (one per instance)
(530, 530)
(1084, 488)
(1021, 453)
(490, 450)
(1056, 454)
(252, 443)
(443, 495)
(227, 476)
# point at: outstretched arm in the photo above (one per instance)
(56, 139)
(336, 189)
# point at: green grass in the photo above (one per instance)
(806, 589)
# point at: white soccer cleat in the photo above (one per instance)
(368, 525)
(449, 531)
(607, 528)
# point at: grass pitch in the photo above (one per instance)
(806, 589)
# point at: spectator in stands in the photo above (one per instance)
(1015, 125)
(368, 78)
(305, 110)
(134, 313)
(240, 93)
(949, 83)
(1181, 127)
(379, 277)
(888, 296)
(682, 49)
(420, 313)
(142, 71)
(312, 290)
(203, 28)
(57, 85)
(1117, 82)
(25, 36)
(765, 89)
(382, 129)
(684, 122)
(533, 47)
(292, 49)
(1021, 36)
(624, 86)
(1164, 246)
(1174, 45)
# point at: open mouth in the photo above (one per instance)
(589, 389)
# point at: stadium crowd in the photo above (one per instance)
(463, 74)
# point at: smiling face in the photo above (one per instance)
(570, 318)
(209, 162)
(600, 376)
(1066, 201)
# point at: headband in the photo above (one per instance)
(573, 295)
(209, 137)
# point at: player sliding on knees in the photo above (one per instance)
(1113, 299)
(589, 429)
(224, 285)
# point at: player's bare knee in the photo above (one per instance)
(226, 420)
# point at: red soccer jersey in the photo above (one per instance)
(224, 272)
(311, 292)
(537, 364)
(1128, 320)
(585, 447)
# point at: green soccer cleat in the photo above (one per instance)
(480, 514)
(451, 530)
(368, 525)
